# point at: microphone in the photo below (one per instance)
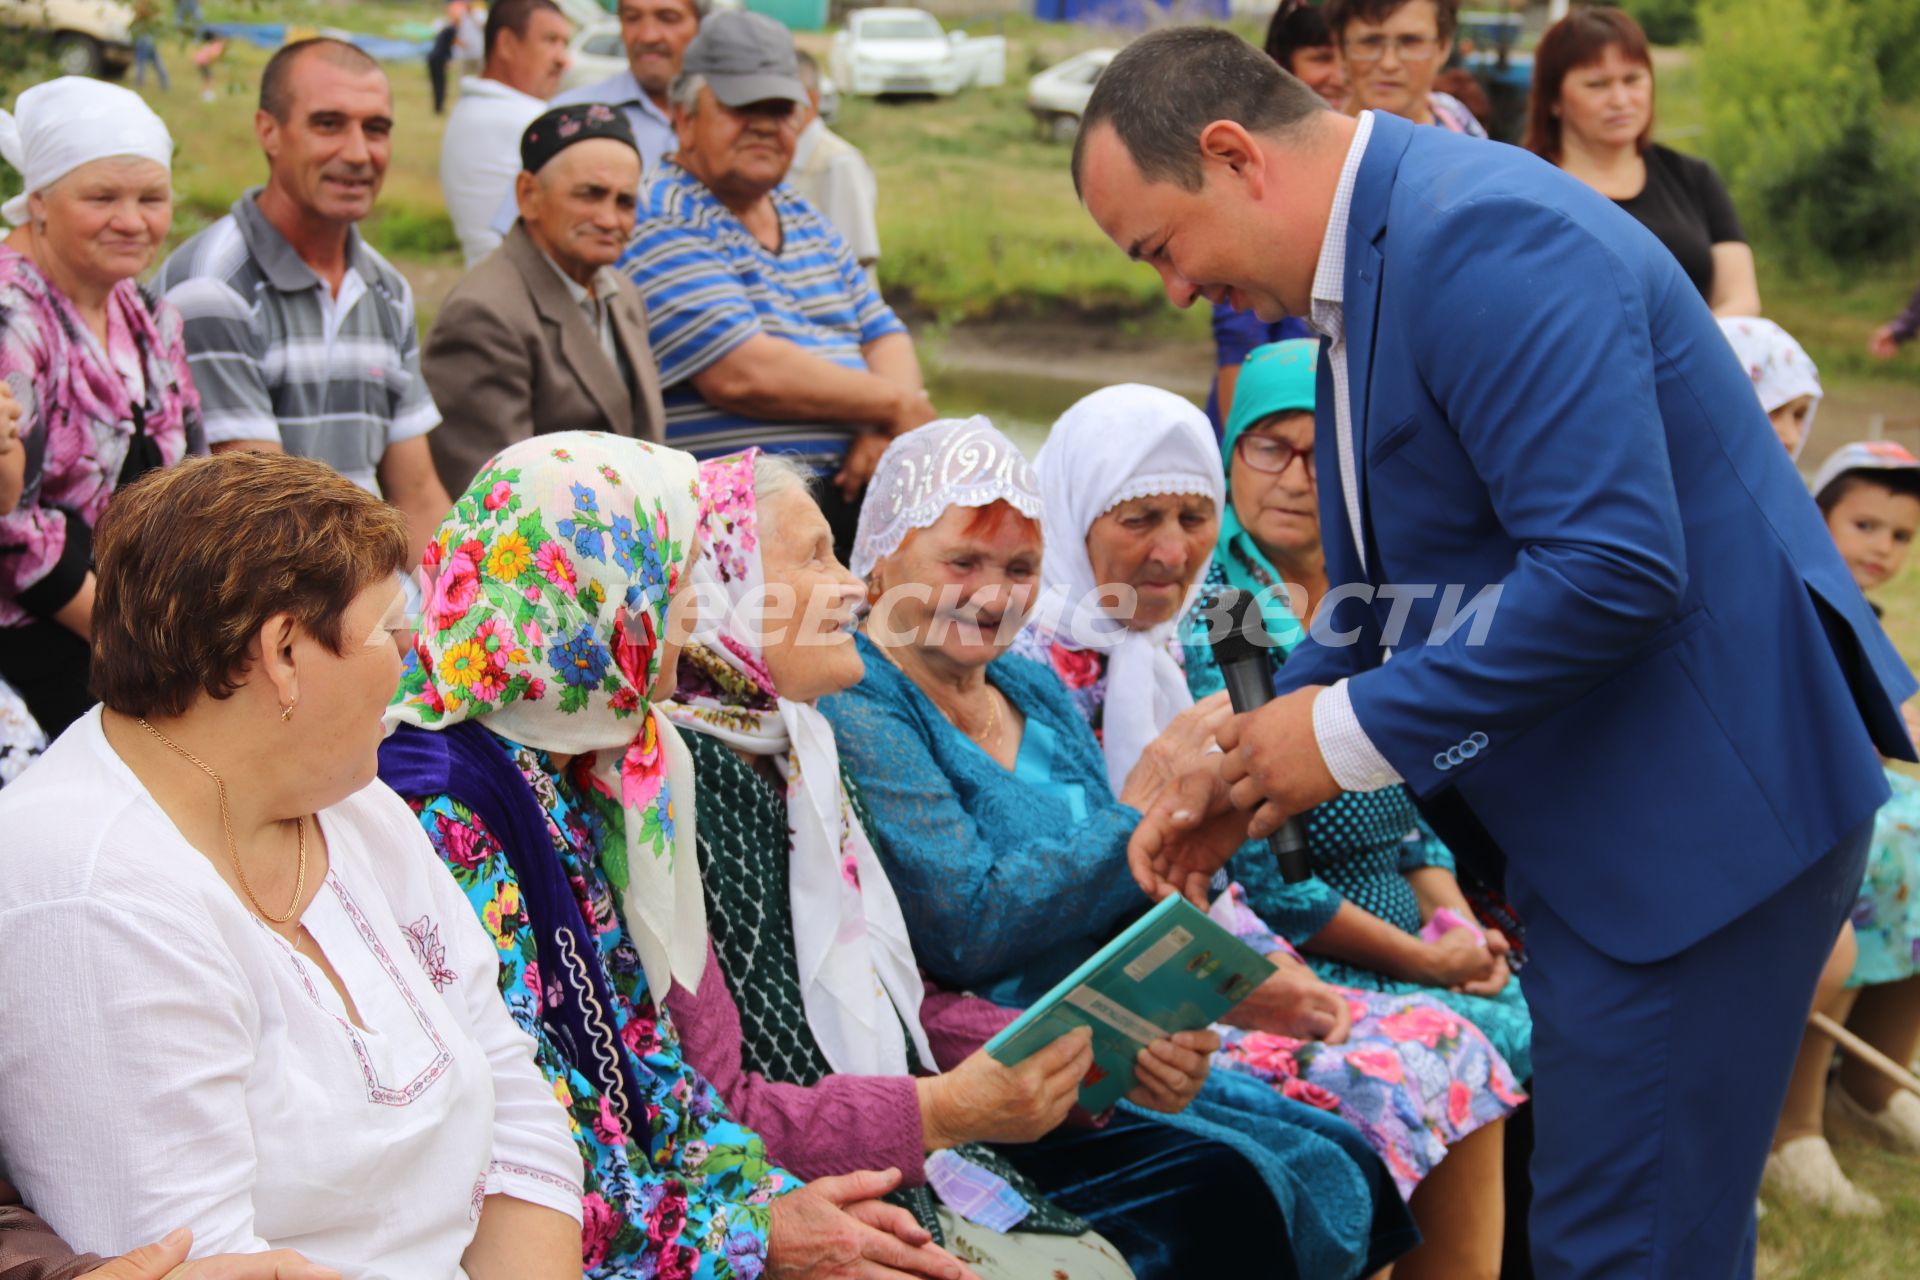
(1243, 651)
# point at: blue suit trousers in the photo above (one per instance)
(1657, 1086)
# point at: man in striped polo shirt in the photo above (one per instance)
(766, 330)
(300, 336)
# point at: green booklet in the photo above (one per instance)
(1173, 970)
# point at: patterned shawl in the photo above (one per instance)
(858, 979)
(551, 578)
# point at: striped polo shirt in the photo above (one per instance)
(710, 285)
(275, 356)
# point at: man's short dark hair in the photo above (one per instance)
(515, 16)
(1165, 87)
(276, 89)
(1446, 14)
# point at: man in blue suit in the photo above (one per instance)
(1583, 608)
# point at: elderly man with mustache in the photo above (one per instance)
(301, 338)
(768, 332)
(545, 321)
(656, 34)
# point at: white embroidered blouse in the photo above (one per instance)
(167, 1060)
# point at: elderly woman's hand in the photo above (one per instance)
(11, 413)
(983, 1100)
(163, 1261)
(836, 1229)
(13, 459)
(1295, 1002)
(1171, 1071)
(1185, 739)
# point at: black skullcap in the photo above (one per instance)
(561, 127)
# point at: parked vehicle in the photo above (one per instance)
(889, 50)
(1057, 97)
(87, 37)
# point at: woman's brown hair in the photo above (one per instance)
(191, 562)
(1575, 41)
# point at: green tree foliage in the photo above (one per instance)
(1797, 125)
(1894, 28)
(1666, 21)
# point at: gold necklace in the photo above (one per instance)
(226, 824)
(992, 731)
(981, 740)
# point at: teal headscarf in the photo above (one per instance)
(1277, 378)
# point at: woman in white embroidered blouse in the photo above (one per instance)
(259, 1007)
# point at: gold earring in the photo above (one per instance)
(286, 712)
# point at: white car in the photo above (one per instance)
(905, 51)
(1057, 97)
(597, 55)
(87, 37)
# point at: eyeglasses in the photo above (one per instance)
(1370, 49)
(1264, 453)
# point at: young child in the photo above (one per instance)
(1870, 496)
(205, 55)
(1783, 376)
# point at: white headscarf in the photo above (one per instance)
(58, 126)
(955, 462)
(1781, 369)
(859, 982)
(1118, 444)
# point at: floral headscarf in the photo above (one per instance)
(859, 981)
(1780, 368)
(551, 579)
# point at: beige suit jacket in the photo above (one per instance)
(511, 355)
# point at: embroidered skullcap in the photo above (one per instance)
(561, 127)
(955, 462)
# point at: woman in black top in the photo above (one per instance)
(1591, 113)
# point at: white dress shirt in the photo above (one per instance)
(479, 158)
(831, 175)
(168, 1060)
(1356, 764)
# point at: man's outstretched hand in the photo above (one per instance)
(1273, 763)
(1189, 832)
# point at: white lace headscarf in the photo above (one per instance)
(58, 126)
(1780, 367)
(955, 462)
(1118, 444)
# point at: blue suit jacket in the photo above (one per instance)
(1673, 707)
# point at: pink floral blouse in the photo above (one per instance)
(81, 404)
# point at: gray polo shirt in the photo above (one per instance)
(275, 356)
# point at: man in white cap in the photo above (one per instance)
(767, 331)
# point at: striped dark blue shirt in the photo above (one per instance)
(709, 286)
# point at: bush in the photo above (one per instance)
(1796, 123)
(1666, 21)
(1894, 28)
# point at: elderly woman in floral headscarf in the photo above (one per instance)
(816, 1025)
(528, 744)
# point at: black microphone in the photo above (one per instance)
(1245, 655)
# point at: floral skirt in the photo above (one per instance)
(1886, 918)
(1413, 1076)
